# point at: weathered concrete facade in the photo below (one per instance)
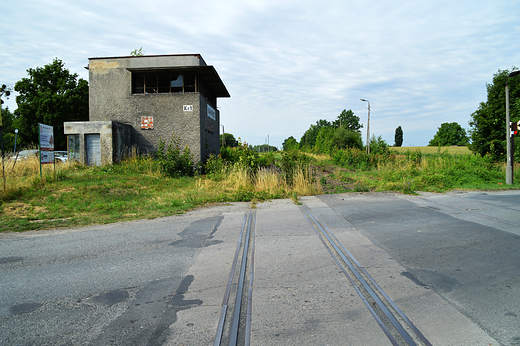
(157, 96)
(115, 140)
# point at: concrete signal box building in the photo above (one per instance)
(134, 101)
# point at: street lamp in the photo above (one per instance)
(368, 126)
(510, 159)
(15, 137)
(223, 136)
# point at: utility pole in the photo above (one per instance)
(368, 126)
(509, 165)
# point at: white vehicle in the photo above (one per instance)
(61, 156)
(24, 155)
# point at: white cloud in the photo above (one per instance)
(288, 64)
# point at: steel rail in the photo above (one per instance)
(383, 293)
(247, 340)
(408, 339)
(223, 311)
(240, 288)
(356, 288)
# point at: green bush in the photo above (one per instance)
(290, 161)
(241, 154)
(173, 162)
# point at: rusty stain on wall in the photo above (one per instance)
(102, 66)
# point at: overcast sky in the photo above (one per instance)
(290, 63)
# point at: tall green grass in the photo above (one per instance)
(417, 171)
(137, 188)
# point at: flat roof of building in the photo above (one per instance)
(208, 73)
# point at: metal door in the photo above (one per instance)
(93, 150)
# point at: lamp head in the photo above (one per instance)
(514, 73)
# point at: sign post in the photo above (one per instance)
(46, 134)
(2, 146)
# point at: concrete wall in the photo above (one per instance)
(111, 99)
(115, 138)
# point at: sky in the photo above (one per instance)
(287, 64)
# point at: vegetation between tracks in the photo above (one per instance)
(141, 188)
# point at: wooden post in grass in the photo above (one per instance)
(2, 148)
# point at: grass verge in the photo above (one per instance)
(75, 195)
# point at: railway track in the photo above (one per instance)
(234, 326)
(394, 323)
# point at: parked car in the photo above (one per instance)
(24, 155)
(61, 156)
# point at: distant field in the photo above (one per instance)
(433, 150)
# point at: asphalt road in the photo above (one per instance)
(450, 261)
(464, 245)
(112, 284)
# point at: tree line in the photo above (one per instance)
(49, 95)
(52, 95)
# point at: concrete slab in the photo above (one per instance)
(300, 296)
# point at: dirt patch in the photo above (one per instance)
(328, 176)
(22, 210)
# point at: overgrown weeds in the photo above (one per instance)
(416, 171)
(148, 187)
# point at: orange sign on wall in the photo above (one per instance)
(147, 123)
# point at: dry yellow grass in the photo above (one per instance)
(268, 180)
(303, 184)
(26, 172)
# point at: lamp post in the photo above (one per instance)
(368, 126)
(509, 165)
(15, 137)
(223, 136)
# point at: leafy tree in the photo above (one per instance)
(228, 140)
(4, 90)
(379, 146)
(449, 134)
(348, 120)
(10, 123)
(347, 138)
(308, 139)
(50, 95)
(325, 140)
(488, 122)
(330, 139)
(290, 144)
(398, 137)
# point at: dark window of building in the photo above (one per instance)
(138, 83)
(176, 83)
(150, 83)
(189, 82)
(163, 82)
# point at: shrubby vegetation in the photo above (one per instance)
(488, 122)
(450, 134)
(174, 162)
(262, 176)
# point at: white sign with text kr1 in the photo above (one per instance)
(188, 108)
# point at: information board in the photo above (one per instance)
(46, 137)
